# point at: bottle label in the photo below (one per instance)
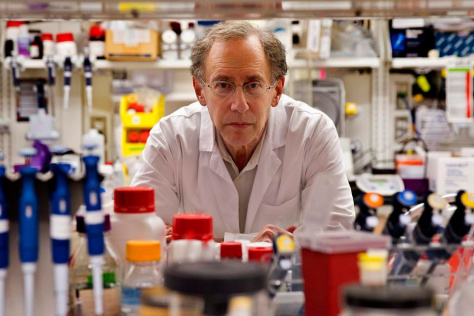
(130, 296)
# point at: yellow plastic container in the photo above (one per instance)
(141, 120)
(138, 122)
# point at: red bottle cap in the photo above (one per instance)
(231, 250)
(96, 31)
(46, 37)
(260, 254)
(192, 226)
(133, 137)
(64, 37)
(133, 200)
(15, 23)
(139, 108)
(144, 136)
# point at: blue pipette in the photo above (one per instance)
(95, 224)
(88, 77)
(28, 228)
(51, 69)
(399, 218)
(60, 223)
(4, 240)
(67, 80)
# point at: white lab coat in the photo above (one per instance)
(300, 175)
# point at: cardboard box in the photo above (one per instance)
(131, 45)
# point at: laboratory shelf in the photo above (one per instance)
(435, 63)
(216, 9)
(159, 64)
(31, 64)
(335, 62)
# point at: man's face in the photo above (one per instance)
(239, 118)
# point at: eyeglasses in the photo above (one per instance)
(224, 88)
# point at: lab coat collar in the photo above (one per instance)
(277, 129)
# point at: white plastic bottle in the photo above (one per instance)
(144, 272)
(65, 45)
(192, 239)
(135, 218)
(49, 45)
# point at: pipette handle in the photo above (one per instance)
(28, 216)
(457, 227)
(92, 200)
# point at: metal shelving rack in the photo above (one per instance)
(242, 9)
(377, 10)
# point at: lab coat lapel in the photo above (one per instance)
(269, 162)
(222, 190)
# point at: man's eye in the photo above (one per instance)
(254, 85)
(222, 85)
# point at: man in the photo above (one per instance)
(253, 158)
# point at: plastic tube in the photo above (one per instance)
(61, 288)
(3, 275)
(29, 270)
(98, 284)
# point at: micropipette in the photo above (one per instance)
(400, 218)
(426, 227)
(366, 220)
(60, 223)
(67, 80)
(457, 228)
(95, 224)
(28, 228)
(4, 239)
(51, 81)
(88, 77)
(15, 68)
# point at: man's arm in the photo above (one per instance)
(326, 195)
(158, 171)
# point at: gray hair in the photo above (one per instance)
(228, 30)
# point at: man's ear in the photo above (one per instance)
(199, 90)
(278, 91)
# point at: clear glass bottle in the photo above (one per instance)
(143, 272)
(81, 299)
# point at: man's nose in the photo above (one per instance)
(239, 103)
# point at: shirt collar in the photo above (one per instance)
(253, 162)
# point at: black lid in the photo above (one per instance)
(395, 297)
(208, 279)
